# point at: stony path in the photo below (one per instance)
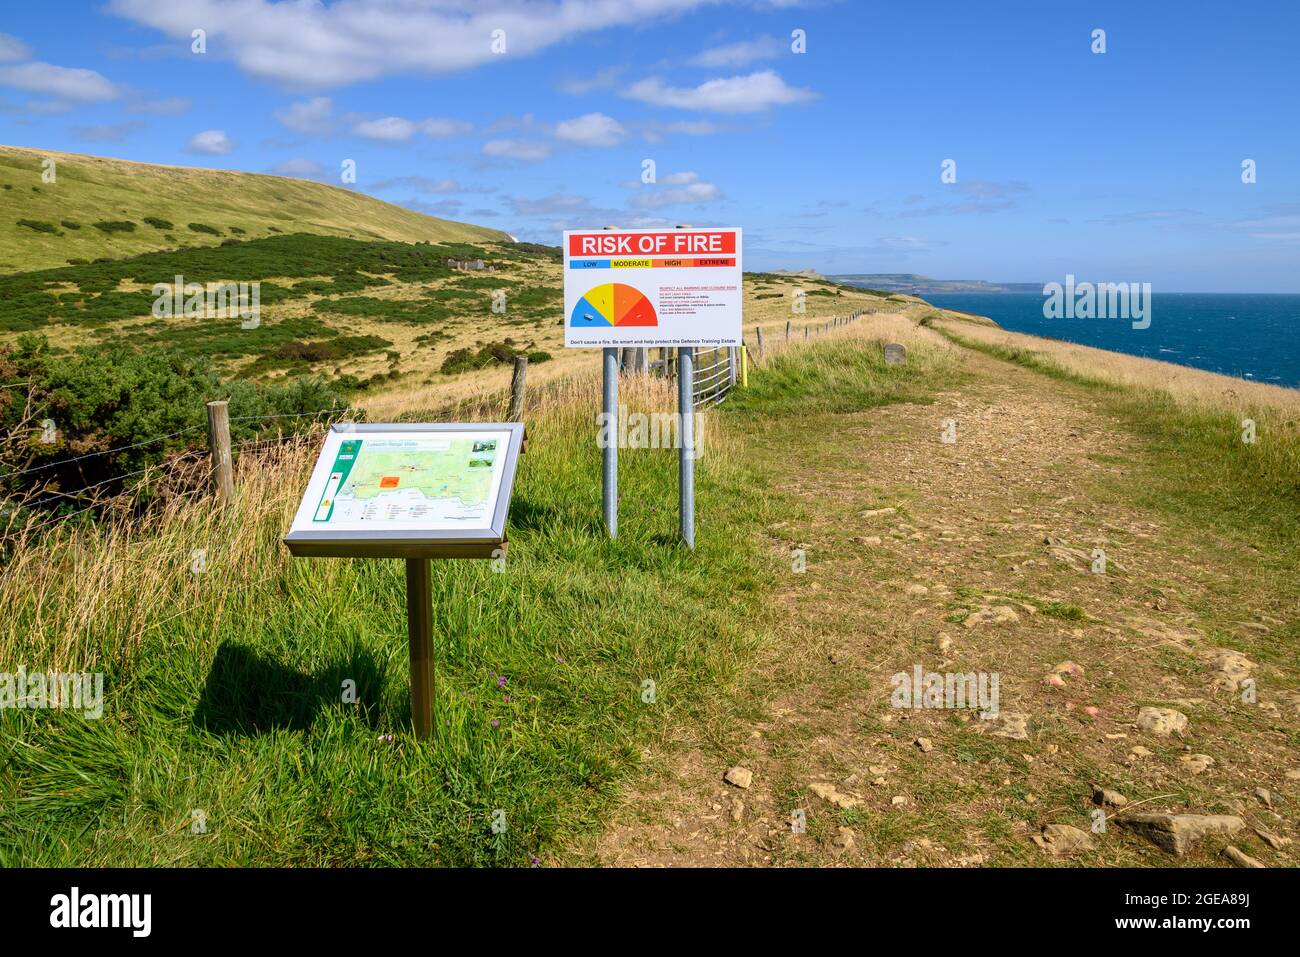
(984, 565)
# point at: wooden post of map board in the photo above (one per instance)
(419, 627)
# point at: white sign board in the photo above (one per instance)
(652, 287)
(408, 490)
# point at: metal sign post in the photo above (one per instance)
(686, 455)
(609, 484)
(629, 289)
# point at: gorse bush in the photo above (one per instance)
(202, 228)
(496, 353)
(115, 226)
(118, 410)
(39, 226)
(30, 300)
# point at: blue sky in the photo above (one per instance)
(1114, 166)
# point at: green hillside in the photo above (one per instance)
(143, 208)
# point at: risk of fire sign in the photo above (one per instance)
(660, 287)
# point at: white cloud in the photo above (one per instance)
(391, 129)
(600, 80)
(107, 132)
(592, 129)
(314, 117)
(740, 54)
(397, 129)
(313, 44)
(421, 184)
(12, 49)
(211, 143)
(65, 83)
(655, 132)
(556, 204)
(737, 94)
(676, 189)
(526, 150)
(442, 129)
(299, 169)
(173, 104)
(47, 106)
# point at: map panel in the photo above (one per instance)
(405, 481)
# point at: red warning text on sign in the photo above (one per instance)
(668, 243)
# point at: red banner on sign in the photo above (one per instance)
(673, 242)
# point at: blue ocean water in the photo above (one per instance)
(1248, 335)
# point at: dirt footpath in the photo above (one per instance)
(980, 556)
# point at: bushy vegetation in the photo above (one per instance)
(412, 311)
(298, 355)
(27, 301)
(495, 353)
(117, 410)
(204, 228)
(157, 223)
(39, 226)
(115, 226)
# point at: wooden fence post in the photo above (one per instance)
(223, 481)
(518, 382)
(787, 330)
(759, 330)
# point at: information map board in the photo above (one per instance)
(655, 287)
(432, 490)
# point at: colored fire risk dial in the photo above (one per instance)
(613, 304)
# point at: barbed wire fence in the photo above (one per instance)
(26, 511)
(718, 371)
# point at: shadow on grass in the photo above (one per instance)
(247, 693)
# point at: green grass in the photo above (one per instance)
(92, 189)
(229, 697)
(32, 300)
(1199, 470)
(224, 689)
(838, 376)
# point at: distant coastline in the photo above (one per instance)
(914, 284)
(1244, 335)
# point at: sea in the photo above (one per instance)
(1254, 336)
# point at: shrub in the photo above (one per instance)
(69, 224)
(157, 223)
(115, 226)
(203, 228)
(39, 226)
(104, 400)
(494, 353)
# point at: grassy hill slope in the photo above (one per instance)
(92, 189)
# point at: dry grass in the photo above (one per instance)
(1192, 388)
(89, 189)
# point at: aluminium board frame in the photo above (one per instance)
(488, 542)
